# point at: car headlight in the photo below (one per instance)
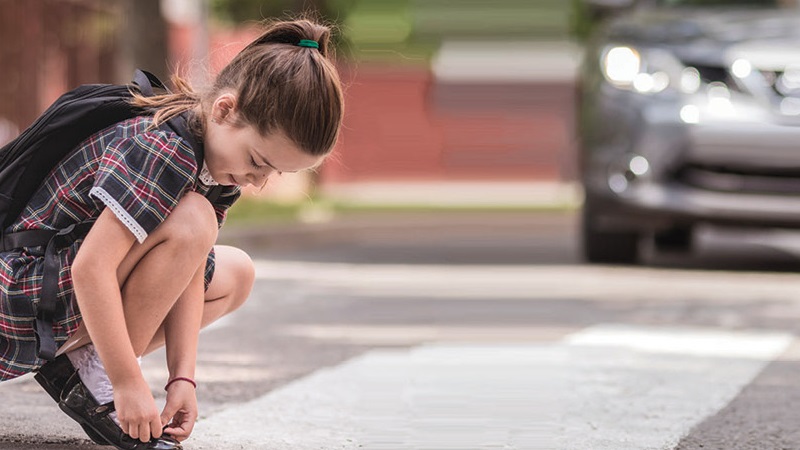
(647, 71)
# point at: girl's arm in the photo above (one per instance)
(182, 328)
(181, 332)
(98, 293)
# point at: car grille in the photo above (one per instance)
(753, 181)
(716, 74)
(773, 77)
(711, 74)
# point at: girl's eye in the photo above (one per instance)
(256, 166)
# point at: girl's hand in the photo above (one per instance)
(137, 411)
(180, 412)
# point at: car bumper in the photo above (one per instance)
(665, 204)
(743, 172)
(743, 145)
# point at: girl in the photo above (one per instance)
(147, 274)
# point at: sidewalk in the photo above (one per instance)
(466, 208)
(534, 194)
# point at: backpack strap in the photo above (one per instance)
(52, 240)
(47, 304)
(180, 125)
(146, 81)
(45, 310)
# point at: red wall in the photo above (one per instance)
(402, 124)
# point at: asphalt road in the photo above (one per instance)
(462, 331)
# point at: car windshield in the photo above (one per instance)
(729, 3)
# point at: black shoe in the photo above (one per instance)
(53, 377)
(81, 406)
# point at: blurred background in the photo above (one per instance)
(490, 149)
(636, 110)
(456, 101)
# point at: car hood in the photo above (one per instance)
(711, 36)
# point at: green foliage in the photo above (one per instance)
(250, 211)
(581, 23)
(239, 11)
(499, 19)
(410, 31)
(332, 12)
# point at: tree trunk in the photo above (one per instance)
(144, 40)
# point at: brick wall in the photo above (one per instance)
(48, 47)
(403, 124)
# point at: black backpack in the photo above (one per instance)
(28, 159)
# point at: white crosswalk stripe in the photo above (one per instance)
(606, 387)
(526, 282)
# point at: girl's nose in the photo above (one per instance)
(258, 179)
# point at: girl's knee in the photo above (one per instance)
(193, 221)
(234, 276)
(245, 276)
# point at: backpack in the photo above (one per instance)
(26, 161)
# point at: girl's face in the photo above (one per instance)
(239, 155)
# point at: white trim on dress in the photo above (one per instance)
(120, 212)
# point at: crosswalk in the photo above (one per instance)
(482, 357)
(608, 386)
(513, 384)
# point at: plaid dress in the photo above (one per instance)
(140, 174)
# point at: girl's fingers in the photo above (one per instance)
(177, 433)
(155, 427)
(180, 428)
(144, 432)
(133, 430)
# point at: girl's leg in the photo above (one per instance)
(156, 272)
(233, 279)
(229, 288)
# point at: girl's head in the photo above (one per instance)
(277, 106)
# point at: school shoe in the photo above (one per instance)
(53, 376)
(81, 406)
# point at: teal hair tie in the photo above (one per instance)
(308, 43)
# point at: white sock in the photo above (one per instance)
(91, 371)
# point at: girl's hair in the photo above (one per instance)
(279, 86)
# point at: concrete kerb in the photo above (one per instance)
(489, 194)
(471, 203)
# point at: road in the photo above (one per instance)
(475, 331)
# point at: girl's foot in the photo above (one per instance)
(54, 377)
(67, 386)
(82, 407)
(92, 373)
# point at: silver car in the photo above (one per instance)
(689, 112)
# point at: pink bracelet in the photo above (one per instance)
(188, 380)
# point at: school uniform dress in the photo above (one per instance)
(138, 173)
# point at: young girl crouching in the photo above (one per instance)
(148, 274)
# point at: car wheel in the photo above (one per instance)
(677, 239)
(606, 246)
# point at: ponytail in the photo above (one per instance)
(166, 106)
(281, 82)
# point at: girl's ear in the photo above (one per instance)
(224, 107)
